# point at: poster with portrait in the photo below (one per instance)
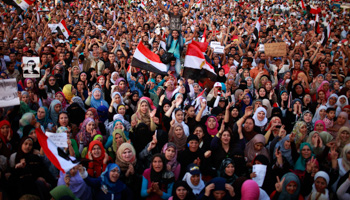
(31, 67)
(8, 94)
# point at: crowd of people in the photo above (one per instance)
(265, 128)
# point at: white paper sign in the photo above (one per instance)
(219, 49)
(261, 48)
(214, 44)
(8, 94)
(260, 171)
(31, 67)
(59, 139)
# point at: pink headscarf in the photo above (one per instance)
(213, 131)
(64, 103)
(322, 122)
(327, 93)
(150, 102)
(250, 190)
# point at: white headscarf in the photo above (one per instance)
(340, 105)
(121, 100)
(328, 105)
(111, 79)
(186, 129)
(255, 117)
(317, 114)
(314, 192)
(196, 188)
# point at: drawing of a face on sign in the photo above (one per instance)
(31, 65)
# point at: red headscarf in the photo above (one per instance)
(64, 103)
(3, 123)
(96, 167)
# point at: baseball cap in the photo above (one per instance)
(217, 84)
(193, 169)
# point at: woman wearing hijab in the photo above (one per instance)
(177, 136)
(6, 133)
(76, 183)
(246, 101)
(284, 147)
(76, 111)
(260, 119)
(217, 189)
(319, 188)
(306, 152)
(182, 191)
(320, 114)
(325, 88)
(42, 116)
(287, 188)
(170, 153)
(117, 99)
(255, 147)
(87, 132)
(26, 119)
(54, 110)
(60, 96)
(108, 185)
(26, 170)
(307, 118)
(298, 91)
(96, 99)
(320, 126)
(342, 120)
(98, 159)
(227, 170)
(49, 86)
(143, 115)
(193, 178)
(157, 181)
(343, 138)
(318, 140)
(341, 103)
(69, 91)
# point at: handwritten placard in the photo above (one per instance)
(8, 94)
(275, 49)
(219, 49)
(59, 139)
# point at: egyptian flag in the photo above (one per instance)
(313, 10)
(234, 38)
(56, 155)
(143, 6)
(326, 34)
(204, 37)
(20, 5)
(201, 45)
(63, 28)
(302, 4)
(317, 24)
(145, 59)
(196, 66)
(256, 31)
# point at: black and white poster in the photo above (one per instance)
(31, 67)
(8, 94)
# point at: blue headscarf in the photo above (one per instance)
(112, 187)
(102, 113)
(250, 103)
(288, 178)
(52, 112)
(287, 153)
(301, 162)
(46, 120)
(95, 103)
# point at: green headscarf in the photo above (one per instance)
(301, 162)
(62, 191)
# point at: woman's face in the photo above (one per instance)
(320, 184)
(52, 81)
(193, 145)
(115, 76)
(196, 88)
(268, 86)
(80, 85)
(303, 129)
(336, 86)
(118, 125)
(291, 187)
(117, 99)
(179, 116)
(121, 85)
(284, 96)
(307, 117)
(58, 108)
(83, 77)
(199, 132)
(332, 101)
(323, 113)
(119, 139)
(76, 71)
(63, 119)
(101, 81)
(5, 130)
(321, 95)
(89, 114)
(249, 125)
(114, 175)
(90, 127)
(261, 115)
(157, 164)
(344, 136)
(307, 99)
(225, 138)
(320, 79)
(25, 98)
(234, 112)
(211, 123)
(306, 152)
(127, 155)
(219, 194)
(97, 95)
(27, 146)
(342, 100)
(246, 73)
(195, 179)
(258, 146)
(341, 120)
(326, 86)
(29, 83)
(59, 97)
(249, 82)
(286, 144)
(121, 110)
(170, 153)
(298, 89)
(144, 107)
(191, 112)
(229, 170)
(166, 107)
(262, 92)
(246, 100)
(181, 192)
(319, 127)
(179, 132)
(96, 151)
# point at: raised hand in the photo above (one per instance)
(279, 184)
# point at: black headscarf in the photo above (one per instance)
(189, 194)
(224, 164)
(20, 154)
(75, 113)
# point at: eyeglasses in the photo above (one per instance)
(52, 79)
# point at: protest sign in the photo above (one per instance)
(219, 49)
(8, 94)
(31, 67)
(59, 139)
(275, 49)
(214, 44)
